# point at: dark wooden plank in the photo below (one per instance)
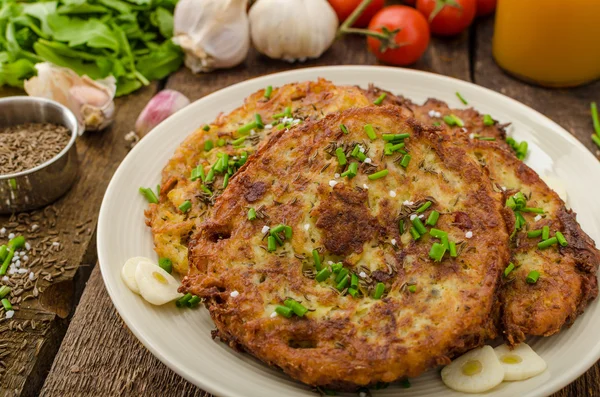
(30, 352)
(567, 107)
(99, 356)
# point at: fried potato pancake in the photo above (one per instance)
(567, 274)
(374, 306)
(291, 103)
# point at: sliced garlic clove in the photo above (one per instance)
(520, 363)
(156, 285)
(474, 372)
(128, 272)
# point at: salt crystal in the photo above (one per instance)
(421, 216)
(56, 244)
(471, 136)
(234, 294)
(273, 315)
(22, 271)
(5, 279)
(2, 231)
(34, 227)
(469, 234)
(332, 183)
(362, 274)
(265, 229)
(413, 216)
(392, 193)
(393, 241)
(25, 258)
(368, 160)
(10, 313)
(336, 175)
(268, 126)
(537, 217)
(31, 276)
(11, 236)
(365, 186)
(306, 226)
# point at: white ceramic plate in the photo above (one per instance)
(181, 338)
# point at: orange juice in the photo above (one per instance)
(553, 43)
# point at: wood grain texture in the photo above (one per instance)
(32, 351)
(567, 107)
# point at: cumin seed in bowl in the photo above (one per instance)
(25, 146)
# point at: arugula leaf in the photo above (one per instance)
(161, 62)
(163, 20)
(14, 73)
(48, 54)
(83, 8)
(127, 86)
(77, 31)
(41, 11)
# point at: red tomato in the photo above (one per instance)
(409, 2)
(413, 37)
(485, 7)
(343, 9)
(454, 16)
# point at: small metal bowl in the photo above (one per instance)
(43, 184)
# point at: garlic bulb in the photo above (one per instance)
(213, 34)
(292, 29)
(90, 100)
(161, 106)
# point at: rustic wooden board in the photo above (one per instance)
(29, 353)
(99, 356)
(570, 109)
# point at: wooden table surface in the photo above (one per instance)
(79, 346)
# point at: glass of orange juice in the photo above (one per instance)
(554, 43)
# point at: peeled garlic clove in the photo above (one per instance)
(307, 28)
(128, 272)
(520, 363)
(474, 372)
(156, 285)
(90, 100)
(214, 34)
(161, 106)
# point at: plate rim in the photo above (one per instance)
(216, 388)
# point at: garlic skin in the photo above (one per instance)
(214, 34)
(161, 106)
(292, 30)
(90, 100)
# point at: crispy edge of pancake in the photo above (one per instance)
(336, 368)
(563, 292)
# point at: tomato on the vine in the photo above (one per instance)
(448, 17)
(485, 7)
(410, 40)
(343, 9)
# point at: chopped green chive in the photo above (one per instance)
(287, 112)
(284, 311)
(166, 264)
(453, 252)
(208, 145)
(193, 302)
(445, 242)
(534, 210)
(532, 277)
(3, 252)
(225, 181)
(488, 120)
(370, 132)
(437, 252)
(432, 218)
(185, 206)
(4, 290)
(414, 233)
(424, 207)
(354, 281)
(387, 149)
(437, 124)
(206, 127)
(353, 292)
(379, 290)
(361, 156)
(271, 244)
(343, 128)
(378, 175)
(277, 229)
(419, 225)
(509, 269)
(323, 274)
(211, 174)
(296, 307)
(268, 92)
(561, 239)
(522, 150)
(351, 171)
(380, 99)
(463, 100)
(534, 233)
(341, 275)
(7, 260)
(149, 194)
(6, 304)
(401, 226)
(412, 288)
(337, 267)
(16, 242)
(342, 284)
(596, 140)
(437, 233)
(317, 259)
(595, 119)
(287, 230)
(395, 137)
(221, 142)
(405, 160)
(258, 120)
(278, 116)
(197, 172)
(397, 147)
(485, 138)
(453, 120)
(206, 190)
(341, 156)
(251, 214)
(545, 233)
(181, 302)
(238, 141)
(244, 130)
(547, 243)
(355, 151)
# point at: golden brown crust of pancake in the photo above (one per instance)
(344, 342)
(568, 280)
